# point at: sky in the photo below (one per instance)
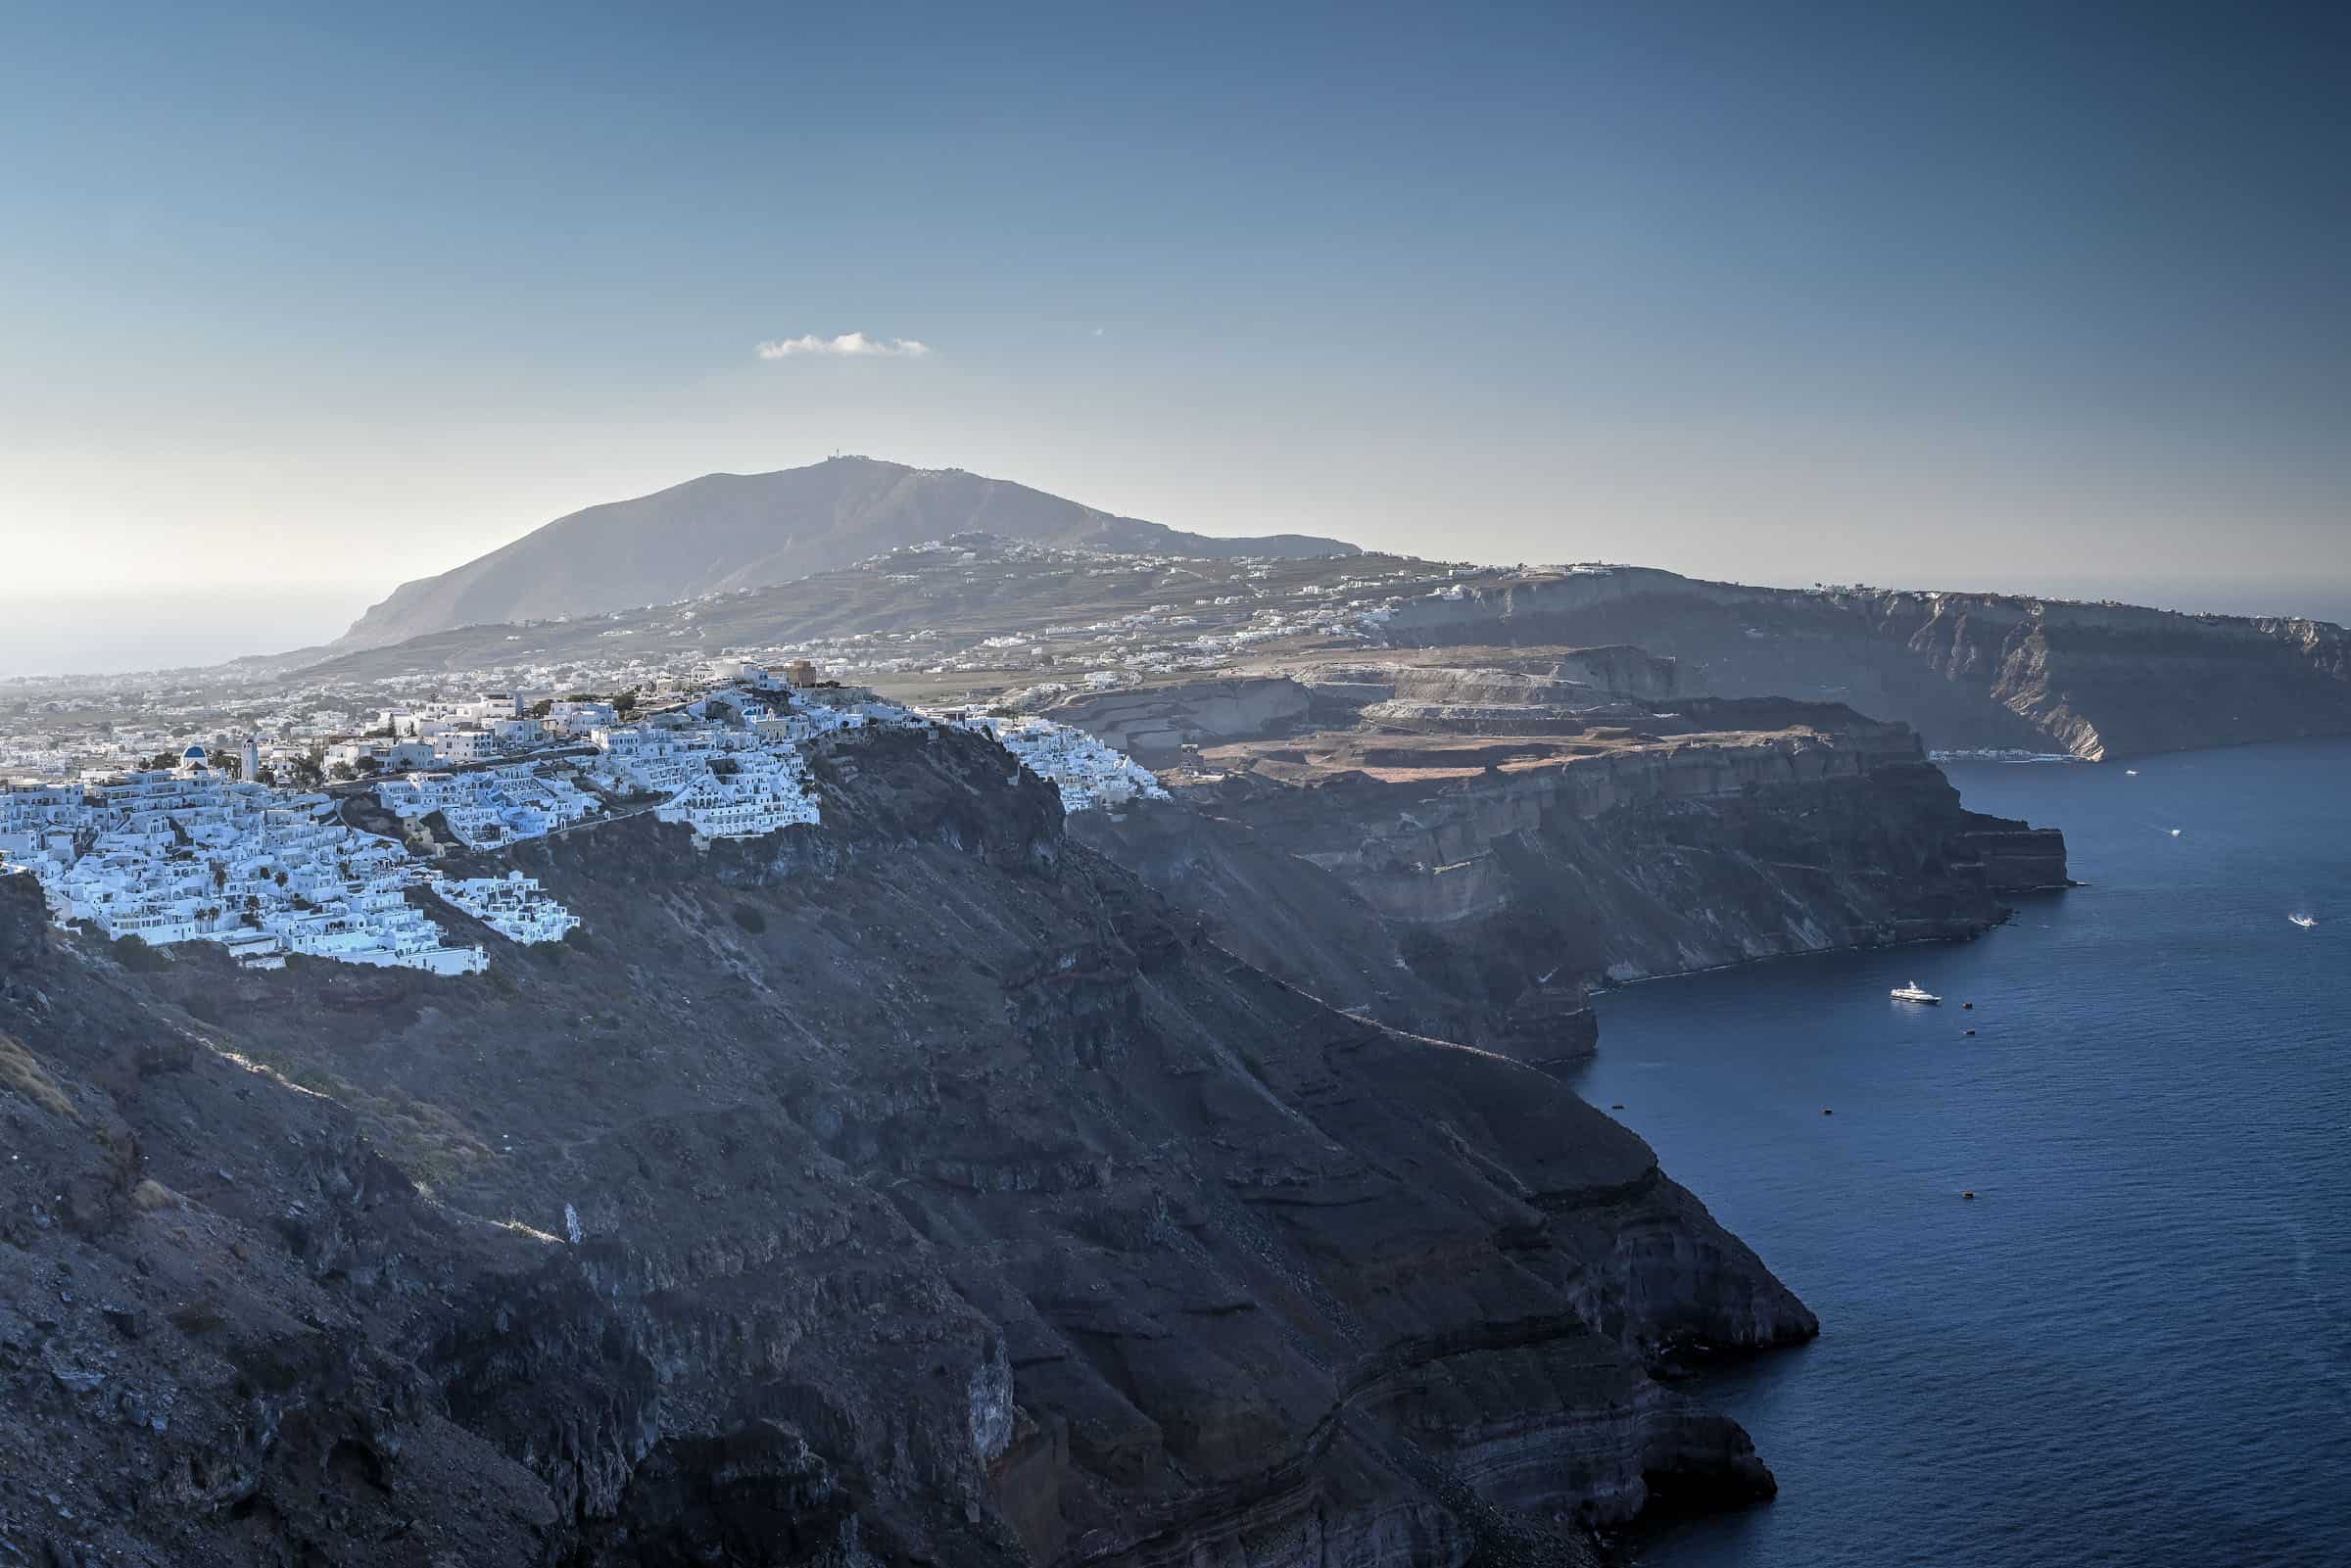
(298, 303)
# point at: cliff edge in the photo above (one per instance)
(916, 1188)
(1968, 671)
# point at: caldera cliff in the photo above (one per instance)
(1483, 844)
(919, 1188)
(1968, 671)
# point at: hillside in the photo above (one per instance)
(728, 531)
(991, 615)
(916, 1188)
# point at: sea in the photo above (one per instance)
(2133, 1346)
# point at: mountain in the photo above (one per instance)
(729, 531)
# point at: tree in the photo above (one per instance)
(342, 773)
(371, 765)
(626, 702)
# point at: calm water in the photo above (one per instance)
(2135, 1345)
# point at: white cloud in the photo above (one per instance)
(848, 345)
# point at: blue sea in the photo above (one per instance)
(2134, 1345)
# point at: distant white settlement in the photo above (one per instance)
(187, 854)
(1087, 772)
(191, 853)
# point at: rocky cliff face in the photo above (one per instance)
(1966, 670)
(1473, 885)
(920, 1188)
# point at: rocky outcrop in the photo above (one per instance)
(1966, 670)
(1475, 884)
(916, 1188)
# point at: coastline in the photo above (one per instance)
(2066, 1119)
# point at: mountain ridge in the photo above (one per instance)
(724, 531)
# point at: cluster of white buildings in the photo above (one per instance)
(483, 729)
(514, 906)
(186, 854)
(493, 806)
(1087, 772)
(730, 765)
(190, 853)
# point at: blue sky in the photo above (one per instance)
(310, 299)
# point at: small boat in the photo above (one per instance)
(1915, 992)
(2174, 833)
(2130, 772)
(2306, 922)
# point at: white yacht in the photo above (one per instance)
(2306, 922)
(1915, 992)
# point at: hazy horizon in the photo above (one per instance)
(323, 303)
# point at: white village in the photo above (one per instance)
(215, 849)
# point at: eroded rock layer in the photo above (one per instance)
(1967, 670)
(917, 1188)
(1471, 884)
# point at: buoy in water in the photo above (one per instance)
(1969, 1195)
(1826, 1112)
(1616, 1107)
(1967, 1006)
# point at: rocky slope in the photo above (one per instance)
(1471, 883)
(729, 531)
(1966, 670)
(919, 1188)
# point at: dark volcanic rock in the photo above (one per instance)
(1471, 885)
(968, 1205)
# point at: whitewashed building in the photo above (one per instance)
(514, 906)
